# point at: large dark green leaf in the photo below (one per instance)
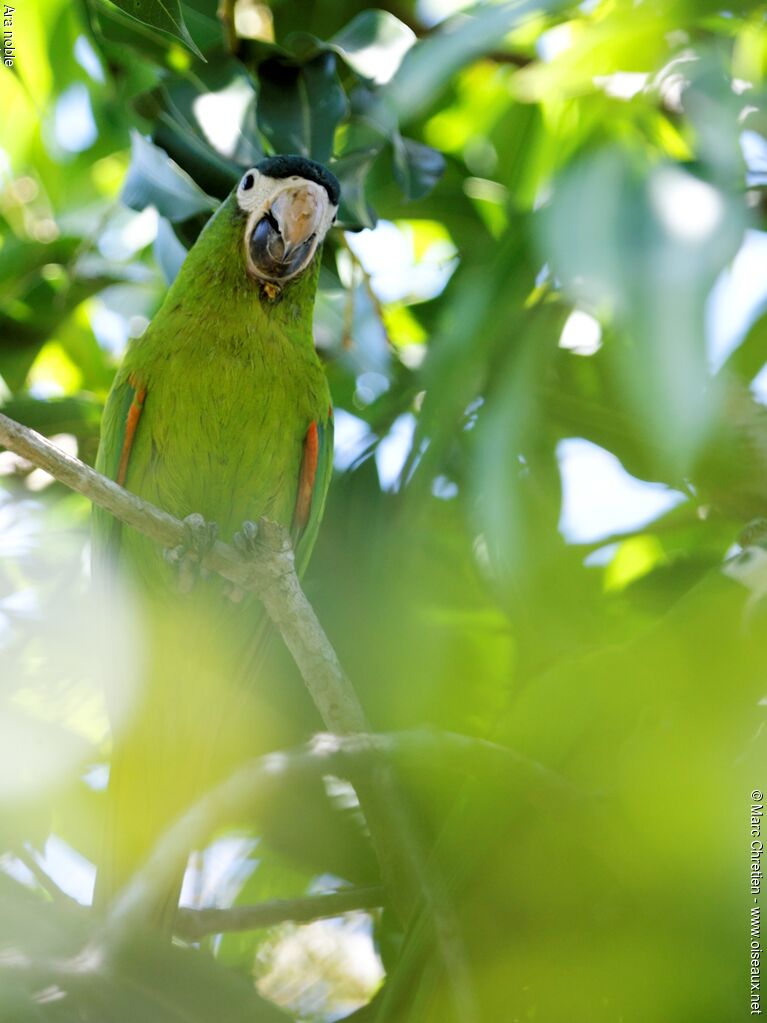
(163, 16)
(417, 167)
(355, 212)
(300, 105)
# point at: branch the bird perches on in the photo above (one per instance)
(269, 573)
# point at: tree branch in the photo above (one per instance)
(195, 924)
(46, 882)
(271, 574)
(357, 757)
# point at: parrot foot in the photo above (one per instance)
(187, 557)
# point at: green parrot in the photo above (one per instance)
(221, 410)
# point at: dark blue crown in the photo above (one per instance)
(287, 166)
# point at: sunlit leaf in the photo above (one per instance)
(430, 64)
(373, 44)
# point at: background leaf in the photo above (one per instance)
(155, 180)
(161, 15)
(300, 105)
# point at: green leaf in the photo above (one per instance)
(155, 180)
(355, 212)
(20, 257)
(162, 16)
(751, 354)
(33, 308)
(651, 241)
(431, 64)
(417, 167)
(300, 106)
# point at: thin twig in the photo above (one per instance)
(226, 15)
(194, 924)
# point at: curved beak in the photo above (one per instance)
(284, 239)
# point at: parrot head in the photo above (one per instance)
(290, 204)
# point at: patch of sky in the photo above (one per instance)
(443, 488)
(216, 875)
(393, 450)
(601, 556)
(600, 498)
(96, 777)
(71, 872)
(739, 294)
(352, 438)
(74, 127)
(370, 385)
(432, 12)
(754, 149)
(387, 254)
(111, 328)
(128, 233)
(581, 333)
(86, 57)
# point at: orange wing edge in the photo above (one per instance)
(307, 478)
(131, 425)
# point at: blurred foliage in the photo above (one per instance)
(558, 189)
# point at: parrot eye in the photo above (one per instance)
(248, 181)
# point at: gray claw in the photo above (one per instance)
(245, 539)
(201, 535)
(754, 533)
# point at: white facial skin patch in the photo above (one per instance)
(300, 209)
